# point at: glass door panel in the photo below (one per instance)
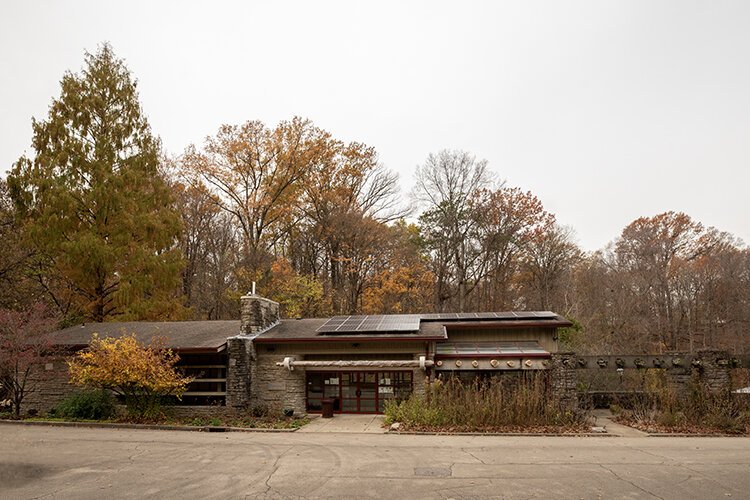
(367, 406)
(368, 387)
(349, 392)
(357, 392)
(314, 391)
(322, 385)
(349, 405)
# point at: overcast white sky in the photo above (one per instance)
(607, 111)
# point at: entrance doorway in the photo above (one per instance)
(357, 392)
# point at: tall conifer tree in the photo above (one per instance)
(96, 206)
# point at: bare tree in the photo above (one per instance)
(546, 268)
(347, 201)
(211, 249)
(445, 184)
(667, 283)
(508, 220)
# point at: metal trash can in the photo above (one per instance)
(327, 408)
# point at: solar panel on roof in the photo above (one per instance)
(410, 322)
(375, 323)
(507, 315)
(545, 314)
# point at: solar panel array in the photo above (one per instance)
(526, 315)
(410, 322)
(375, 323)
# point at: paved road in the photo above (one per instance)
(56, 462)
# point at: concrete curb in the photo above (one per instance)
(508, 434)
(102, 425)
(583, 434)
(683, 435)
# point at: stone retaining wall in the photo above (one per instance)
(47, 385)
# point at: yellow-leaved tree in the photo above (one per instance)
(142, 375)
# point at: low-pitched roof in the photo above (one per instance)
(178, 335)
(431, 327)
(300, 330)
(212, 335)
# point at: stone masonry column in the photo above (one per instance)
(238, 372)
(713, 370)
(257, 314)
(563, 379)
(710, 368)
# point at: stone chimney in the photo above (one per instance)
(257, 314)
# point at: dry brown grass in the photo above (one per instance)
(497, 404)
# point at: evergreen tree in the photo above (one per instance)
(95, 205)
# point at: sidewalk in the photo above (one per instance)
(373, 424)
(370, 424)
(604, 419)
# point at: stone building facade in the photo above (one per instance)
(358, 362)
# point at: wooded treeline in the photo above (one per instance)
(100, 224)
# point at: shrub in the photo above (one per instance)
(700, 409)
(493, 403)
(87, 405)
(259, 410)
(143, 375)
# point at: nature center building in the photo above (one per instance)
(359, 362)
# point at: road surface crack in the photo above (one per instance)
(274, 468)
(473, 456)
(629, 482)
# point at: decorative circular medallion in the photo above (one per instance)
(494, 363)
(528, 363)
(475, 363)
(439, 362)
(458, 363)
(511, 363)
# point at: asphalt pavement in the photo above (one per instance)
(92, 463)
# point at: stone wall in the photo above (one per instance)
(276, 387)
(48, 386)
(680, 376)
(709, 367)
(563, 379)
(713, 370)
